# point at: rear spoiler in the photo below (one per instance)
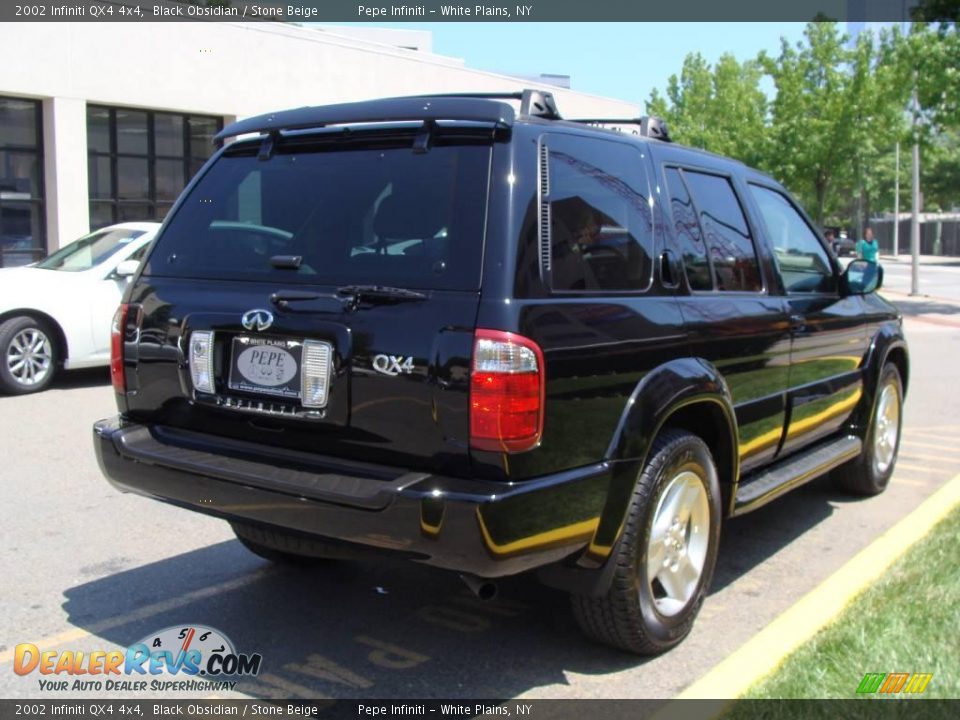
(479, 107)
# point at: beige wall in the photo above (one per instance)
(232, 70)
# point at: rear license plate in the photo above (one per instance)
(266, 367)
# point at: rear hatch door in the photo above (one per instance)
(320, 296)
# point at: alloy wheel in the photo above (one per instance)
(29, 357)
(679, 538)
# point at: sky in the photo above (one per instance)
(619, 60)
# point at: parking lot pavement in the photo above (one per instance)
(87, 568)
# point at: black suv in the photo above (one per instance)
(493, 342)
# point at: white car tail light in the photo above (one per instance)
(117, 333)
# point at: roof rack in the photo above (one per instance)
(429, 109)
(389, 110)
(650, 125)
(533, 103)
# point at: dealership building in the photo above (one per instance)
(106, 122)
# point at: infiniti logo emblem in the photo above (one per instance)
(257, 319)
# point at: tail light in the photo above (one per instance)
(506, 392)
(117, 337)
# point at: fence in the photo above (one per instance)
(948, 230)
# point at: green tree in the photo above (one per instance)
(824, 118)
(721, 108)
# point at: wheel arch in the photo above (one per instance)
(685, 394)
(60, 337)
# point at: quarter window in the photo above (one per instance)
(601, 230)
(801, 260)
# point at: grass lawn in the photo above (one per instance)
(909, 621)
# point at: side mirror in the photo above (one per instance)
(862, 277)
(126, 269)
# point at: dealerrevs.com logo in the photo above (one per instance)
(180, 658)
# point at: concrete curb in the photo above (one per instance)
(767, 650)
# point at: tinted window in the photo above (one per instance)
(725, 232)
(801, 259)
(21, 182)
(356, 216)
(600, 219)
(687, 231)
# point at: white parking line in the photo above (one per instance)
(75, 634)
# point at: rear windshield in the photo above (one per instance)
(355, 216)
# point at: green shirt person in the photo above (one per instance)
(868, 248)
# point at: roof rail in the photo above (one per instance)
(651, 126)
(475, 107)
(400, 109)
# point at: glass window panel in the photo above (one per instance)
(802, 261)
(131, 132)
(101, 214)
(18, 122)
(686, 229)
(161, 211)
(195, 166)
(99, 175)
(169, 179)
(724, 226)
(98, 129)
(133, 212)
(133, 181)
(21, 236)
(168, 135)
(600, 217)
(19, 175)
(202, 131)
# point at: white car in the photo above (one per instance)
(57, 313)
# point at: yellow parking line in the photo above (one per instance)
(766, 650)
(911, 482)
(917, 468)
(933, 429)
(924, 456)
(75, 634)
(940, 433)
(932, 446)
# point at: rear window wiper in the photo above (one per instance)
(380, 293)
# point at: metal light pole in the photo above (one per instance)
(896, 204)
(915, 219)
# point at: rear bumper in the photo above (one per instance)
(479, 527)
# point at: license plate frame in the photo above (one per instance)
(262, 361)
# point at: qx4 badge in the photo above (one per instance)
(393, 364)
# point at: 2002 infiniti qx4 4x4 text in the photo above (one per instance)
(495, 341)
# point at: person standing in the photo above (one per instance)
(868, 248)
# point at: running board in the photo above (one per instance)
(794, 472)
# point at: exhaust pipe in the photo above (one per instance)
(483, 589)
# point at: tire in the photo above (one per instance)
(638, 613)
(280, 547)
(870, 472)
(29, 355)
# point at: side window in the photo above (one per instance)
(801, 259)
(601, 229)
(725, 232)
(687, 231)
